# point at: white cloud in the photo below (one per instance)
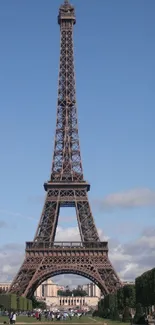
(135, 257)
(70, 280)
(11, 256)
(138, 197)
(129, 267)
(72, 234)
(68, 234)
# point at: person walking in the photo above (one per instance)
(10, 317)
(14, 318)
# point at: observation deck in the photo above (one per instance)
(67, 246)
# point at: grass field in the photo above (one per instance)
(83, 320)
(74, 320)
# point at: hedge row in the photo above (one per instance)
(145, 288)
(118, 303)
(125, 296)
(11, 301)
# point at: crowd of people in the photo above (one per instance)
(51, 316)
(47, 315)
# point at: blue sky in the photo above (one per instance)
(115, 77)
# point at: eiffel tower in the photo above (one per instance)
(44, 257)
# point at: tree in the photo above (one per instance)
(139, 319)
(107, 306)
(29, 305)
(120, 302)
(129, 294)
(1, 307)
(9, 301)
(75, 293)
(112, 302)
(20, 303)
(126, 315)
(145, 288)
(126, 296)
(100, 312)
(38, 304)
(42, 305)
(120, 299)
(79, 293)
(115, 314)
(2, 291)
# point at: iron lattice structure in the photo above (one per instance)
(66, 188)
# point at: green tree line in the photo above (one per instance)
(12, 302)
(139, 297)
(145, 289)
(119, 303)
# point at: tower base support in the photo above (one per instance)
(89, 259)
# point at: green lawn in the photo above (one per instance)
(75, 320)
(110, 322)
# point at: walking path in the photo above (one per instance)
(95, 320)
(60, 323)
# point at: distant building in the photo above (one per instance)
(128, 283)
(5, 286)
(92, 290)
(71, 302)
(47, 289)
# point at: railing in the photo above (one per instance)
(66, 245)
